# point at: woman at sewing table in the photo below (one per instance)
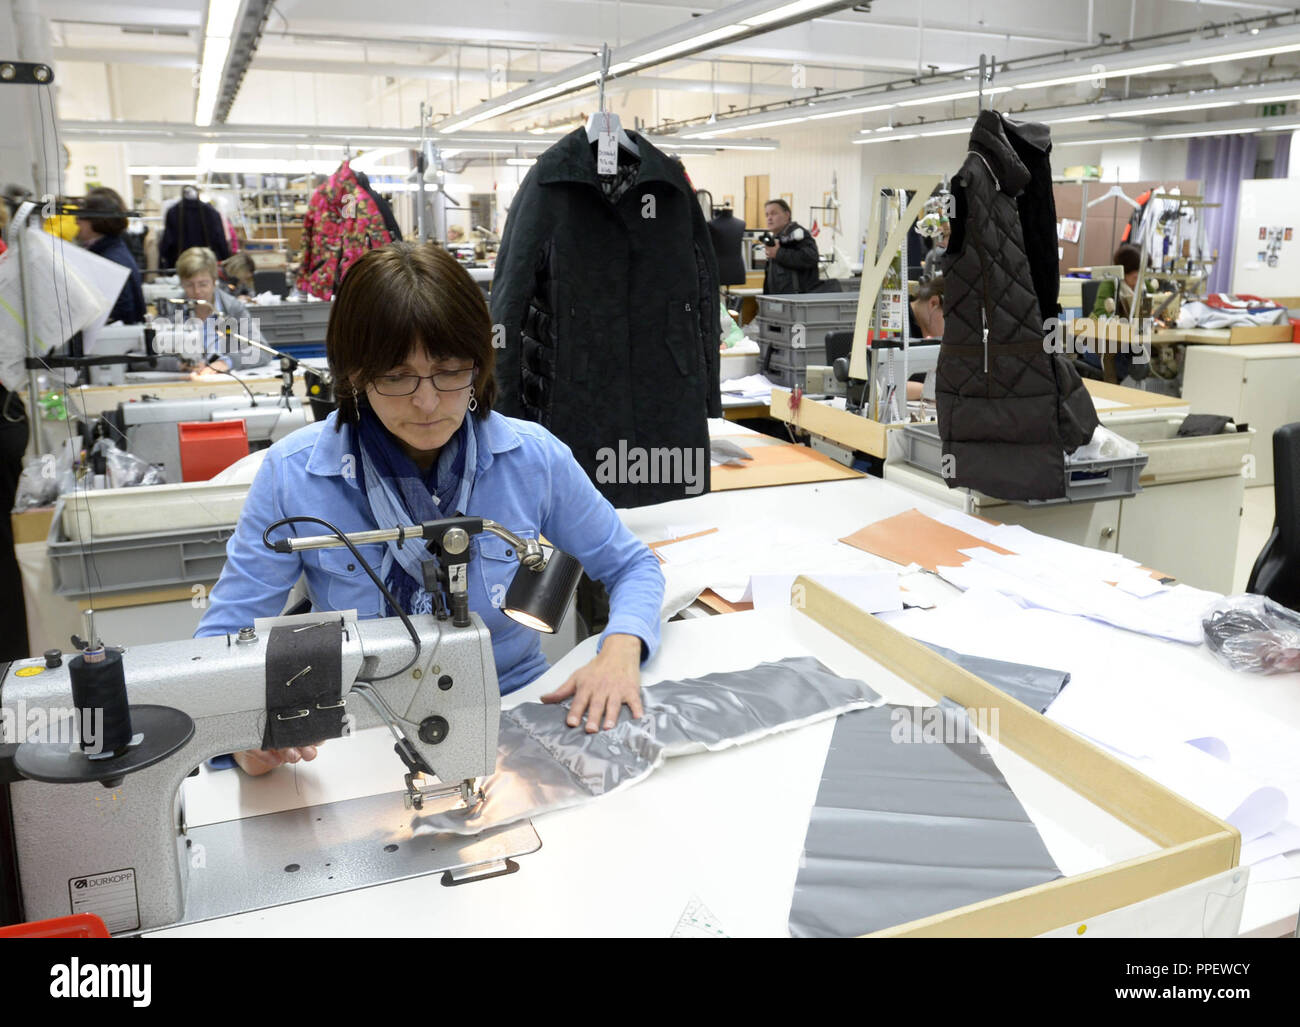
(198, 272)
(415, 438)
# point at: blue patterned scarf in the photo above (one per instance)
(400, 493)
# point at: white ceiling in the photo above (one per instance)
(339, 62)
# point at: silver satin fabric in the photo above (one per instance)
(906, 829)
(543, 764)
(1036, 687)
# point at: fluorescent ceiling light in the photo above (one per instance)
(1170, 110)
(253, 165)
(884, 139)
(1077, 117)
(693, 43)
(784, 11)
(521, 162)
(221, 18)
(1242, 55)
(967, 94)
(850, 113)
(161, 169)
(1205, 130)
(1095, 142)
(1102, 73)
(218, 28)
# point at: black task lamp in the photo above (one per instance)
(538, 596)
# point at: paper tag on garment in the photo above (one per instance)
(606, 154)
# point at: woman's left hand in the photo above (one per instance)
(602, 687)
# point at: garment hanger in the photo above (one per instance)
(605, 121)
(1115, 193)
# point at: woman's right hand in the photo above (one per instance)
(255, 762)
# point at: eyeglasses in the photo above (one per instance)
(406, 384)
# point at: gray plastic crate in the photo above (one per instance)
(1089, 480)
(817, 308)
(292, 322)
(126, 563)
(779, 332)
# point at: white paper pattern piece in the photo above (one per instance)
(877, 592)
(1278, 868)
(697, 921)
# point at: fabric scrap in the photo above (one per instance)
(909, 822)
(543, 764)
(1036, 687)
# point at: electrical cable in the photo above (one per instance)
(406, 621)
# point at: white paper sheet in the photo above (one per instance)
(753, 386)
(876, 592)
(1282, 839)
(1278, 868)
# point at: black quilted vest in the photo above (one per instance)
(1009, 410)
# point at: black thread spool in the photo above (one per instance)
(99, 685)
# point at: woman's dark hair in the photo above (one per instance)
(112, 221)
(929, 288)
(239, 263)
(398, 297)
(1129, 258)
(778, 203)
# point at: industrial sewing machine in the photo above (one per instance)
(150, 426)
(97, 746)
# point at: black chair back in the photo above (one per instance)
(1276, 573)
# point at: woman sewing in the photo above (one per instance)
(198, 271)
(415, 438)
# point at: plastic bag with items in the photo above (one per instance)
(1250, 632)
(46, 477)
(125, 470)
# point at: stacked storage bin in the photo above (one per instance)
(792, 332)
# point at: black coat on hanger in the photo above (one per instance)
(728, 235)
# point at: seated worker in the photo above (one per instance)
(197, 270)
(925, 321)
(410, 347)
(792, 258)
(101, 232)
(1108, 305)
(237, 275)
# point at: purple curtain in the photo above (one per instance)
(1220, 163)
(1282, 156)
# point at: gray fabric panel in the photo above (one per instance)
(1036, 687)
(906, 829)
(543, 764)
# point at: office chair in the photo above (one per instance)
(1276, 573)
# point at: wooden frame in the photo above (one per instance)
(876, 260)
(1193, 844)
(851, 430)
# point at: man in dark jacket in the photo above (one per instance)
(188, 223)
(792, 258)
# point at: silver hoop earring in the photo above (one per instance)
(473, 403)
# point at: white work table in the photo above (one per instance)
(1089, 651)
(725, 829)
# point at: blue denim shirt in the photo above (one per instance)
(527, 481)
